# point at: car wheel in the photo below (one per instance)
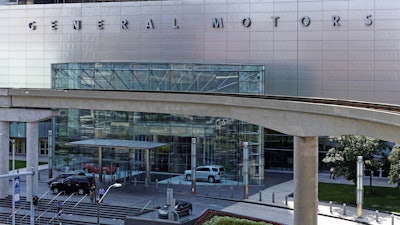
(211, 179)
(56, 191)
(81, 191)
(188, 177)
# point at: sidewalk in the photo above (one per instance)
(276, 206)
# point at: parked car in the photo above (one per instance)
(62, 176)
(210, 173)
(59, 177)
(183, 208)
(94, 168)
(71, 184)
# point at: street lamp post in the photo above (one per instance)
(101, 199)
(13, 183)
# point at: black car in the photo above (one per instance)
(59, 177)
(71, 184)
(182, 208)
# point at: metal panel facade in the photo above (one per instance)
(338, 49)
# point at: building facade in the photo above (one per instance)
(333, 49)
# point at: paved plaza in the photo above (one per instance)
(269, 202)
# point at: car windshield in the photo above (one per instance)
(66, 180)
(165, 207)
(64, 175)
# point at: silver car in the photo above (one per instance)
(182, 208)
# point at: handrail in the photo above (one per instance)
(25, 216)
(44, 194)
(53, 218)
(55, 197)
(68, 198)
(145, 205)
(80, 200)
(15, 211)
(42, 214)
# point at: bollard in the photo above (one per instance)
(286, 200)
(392, 219)
(231, 192)
(156, 184)
(377, 216)
(134, 181)
(330, 207)
(273, 197)
(344, 208)
(260, 198)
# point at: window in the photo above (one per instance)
(44, 148)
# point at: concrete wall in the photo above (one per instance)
(330, 48)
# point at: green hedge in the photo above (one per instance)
(223, 220)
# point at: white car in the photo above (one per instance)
(210, 173)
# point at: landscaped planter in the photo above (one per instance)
(211, 217)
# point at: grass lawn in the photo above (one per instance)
(20, 164)
(381, 198)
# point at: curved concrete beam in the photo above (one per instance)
(292, 118)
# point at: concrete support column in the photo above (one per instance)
(100, 169)
(193, 164)
(4, 156)
(32, 157)
(305, 180)
(148, 175)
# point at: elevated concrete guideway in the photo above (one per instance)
(304, 120)
(289, 117)
(31, 117)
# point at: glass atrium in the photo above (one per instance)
(219, 140)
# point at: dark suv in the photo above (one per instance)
(60, 177)
(71, 184)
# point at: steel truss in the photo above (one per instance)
(160, 77)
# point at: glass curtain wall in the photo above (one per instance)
(219, 140)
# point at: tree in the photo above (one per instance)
(394, 159)
(343, 156)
